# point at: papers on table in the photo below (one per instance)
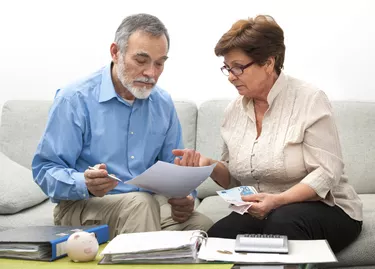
(300, 251)
(182, 247)
(172, 180)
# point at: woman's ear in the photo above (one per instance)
(270, 65)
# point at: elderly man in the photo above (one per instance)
(120, 122)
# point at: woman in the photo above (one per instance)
(280, 137)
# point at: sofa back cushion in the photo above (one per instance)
(187, 113)
(356, 125)
(209, 142)
(23, 123)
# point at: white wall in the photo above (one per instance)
(47, 44)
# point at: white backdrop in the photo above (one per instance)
(48, 44)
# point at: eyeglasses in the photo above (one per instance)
(235, 70)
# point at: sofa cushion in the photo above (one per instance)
(39, 215)
(361, 251)
(22, 125)
(187, 114)
(356, 124)
(214, 207)
(18, 190)
(209, 142)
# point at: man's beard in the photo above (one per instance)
(138, 92)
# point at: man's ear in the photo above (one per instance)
(114, 50)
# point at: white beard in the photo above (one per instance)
(138, 92)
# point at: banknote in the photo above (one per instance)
(240, 209)
(233, 197)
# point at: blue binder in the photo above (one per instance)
(46, 242)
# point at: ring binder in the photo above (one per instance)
(154, 247)
(202, 235)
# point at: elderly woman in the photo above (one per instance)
(280, 137)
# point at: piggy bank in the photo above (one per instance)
(82, 246)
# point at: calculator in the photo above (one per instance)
(262, 243)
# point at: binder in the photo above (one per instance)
(154, 247)
(45, 243)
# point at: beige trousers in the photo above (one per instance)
(126, 213)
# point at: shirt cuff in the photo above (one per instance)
(81, 188)
(194, 194)
(319, 182)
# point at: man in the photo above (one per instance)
(120, 121)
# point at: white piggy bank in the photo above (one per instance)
(82, 246)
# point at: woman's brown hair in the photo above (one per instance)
(260, 38)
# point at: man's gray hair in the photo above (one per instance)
(144, 22)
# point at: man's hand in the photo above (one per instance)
(182, 208)
(262, 205)
(190, 157)
(97, 181)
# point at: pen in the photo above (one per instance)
(110, 176)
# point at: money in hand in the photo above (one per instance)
(233, 196)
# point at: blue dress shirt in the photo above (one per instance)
(89, 123)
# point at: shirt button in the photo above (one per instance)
(84, 195)
(131, 157)
(252, 170)
(256, 141)
(253, 154)
(131, 132)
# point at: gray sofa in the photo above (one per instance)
(22, 203)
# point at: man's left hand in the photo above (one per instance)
(182, 208)
(262, 205)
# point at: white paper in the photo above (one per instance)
(300, 251)
(172, 180)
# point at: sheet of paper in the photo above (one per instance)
(172, 180)
(300, 251)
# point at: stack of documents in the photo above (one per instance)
(233, 196)
(153, 247)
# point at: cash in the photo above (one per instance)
(233, 197)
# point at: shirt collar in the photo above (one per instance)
(278, 86)
(107, 90)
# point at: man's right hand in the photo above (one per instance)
(97, 181)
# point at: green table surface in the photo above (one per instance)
(66, 263)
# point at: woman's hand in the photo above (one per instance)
(190, 157)
(262, 205)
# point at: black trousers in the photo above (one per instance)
(299, 221)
